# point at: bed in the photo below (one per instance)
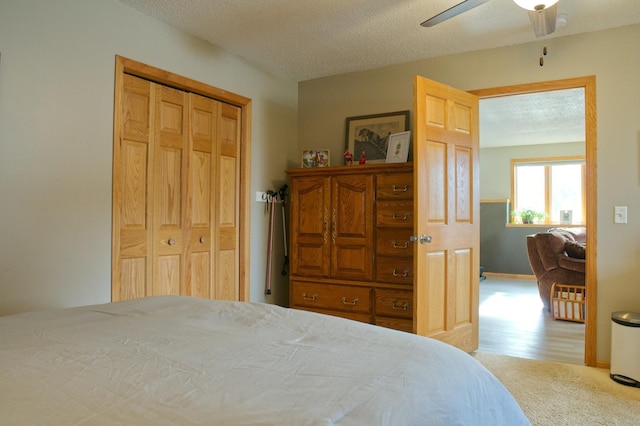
(170, 360)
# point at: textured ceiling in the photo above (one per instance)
(307, 39)
(531, 119)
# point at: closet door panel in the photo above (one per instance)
(203, 115)
(171, 163)
(133, 167)
(227, 279)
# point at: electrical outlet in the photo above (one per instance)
(620, 214)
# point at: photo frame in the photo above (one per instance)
(398, 150)
(566, 216)
(315, 158)
(368, 135)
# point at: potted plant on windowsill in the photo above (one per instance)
(528, 216)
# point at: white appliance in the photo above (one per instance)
(625, 348)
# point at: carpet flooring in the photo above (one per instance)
(553, 393)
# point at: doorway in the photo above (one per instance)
(588, 85)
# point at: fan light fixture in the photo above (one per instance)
(535, 5)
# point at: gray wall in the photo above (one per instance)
(503, 249)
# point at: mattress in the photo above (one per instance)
(176, 360)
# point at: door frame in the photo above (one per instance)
(588, 83)
(128, 66)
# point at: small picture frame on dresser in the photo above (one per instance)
(398, 149)
(315, 158)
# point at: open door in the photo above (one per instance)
(447, 205)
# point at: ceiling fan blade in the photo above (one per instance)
(544, 21)
(452, 11)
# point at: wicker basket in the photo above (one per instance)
(568, 302)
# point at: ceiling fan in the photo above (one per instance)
(542, 13)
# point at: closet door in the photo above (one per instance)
(170, 182)
(176, 194)
(227, 272)
(133, 190)
(203, 114)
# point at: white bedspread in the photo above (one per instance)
(175, 360)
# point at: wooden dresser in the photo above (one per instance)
(351, 254)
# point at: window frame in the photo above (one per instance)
(548, 162)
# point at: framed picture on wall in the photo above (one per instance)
(315, 158)
(367, 136)
(398, 150)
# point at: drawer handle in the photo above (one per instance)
(394, 243)
(352, 302)
(171, 241)
(395, 306)
(395, 274)
(396, 217)
(312, 298)
(203, 239)
(395, 188)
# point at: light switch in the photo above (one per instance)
(620, 214)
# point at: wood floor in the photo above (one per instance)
(513, 322)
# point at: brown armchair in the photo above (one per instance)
(557, 256)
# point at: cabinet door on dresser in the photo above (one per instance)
(311, 197)
(352, 227)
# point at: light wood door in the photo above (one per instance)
(171, 157)
(447, 214)
(180, 187)
(352, 227)
(227, 273)
(133, 190)
(176, 195)
(310, 246)
(203, 118)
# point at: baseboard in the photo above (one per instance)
(501, 275)
(603, 364)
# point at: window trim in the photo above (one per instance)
(547, 162)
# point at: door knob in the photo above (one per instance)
(423, 239)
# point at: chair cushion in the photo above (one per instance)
(578, 233)
(575, 249)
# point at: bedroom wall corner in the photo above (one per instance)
(56, 127)
(610, 55)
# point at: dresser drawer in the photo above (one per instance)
(394, 269)
(395, 323)
(394, 213)
(394, 242)
(398, 186)
(336, 297)
(394, 303)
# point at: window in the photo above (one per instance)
(553, 189)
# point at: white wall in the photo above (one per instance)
(612, 56)
(56, 125)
